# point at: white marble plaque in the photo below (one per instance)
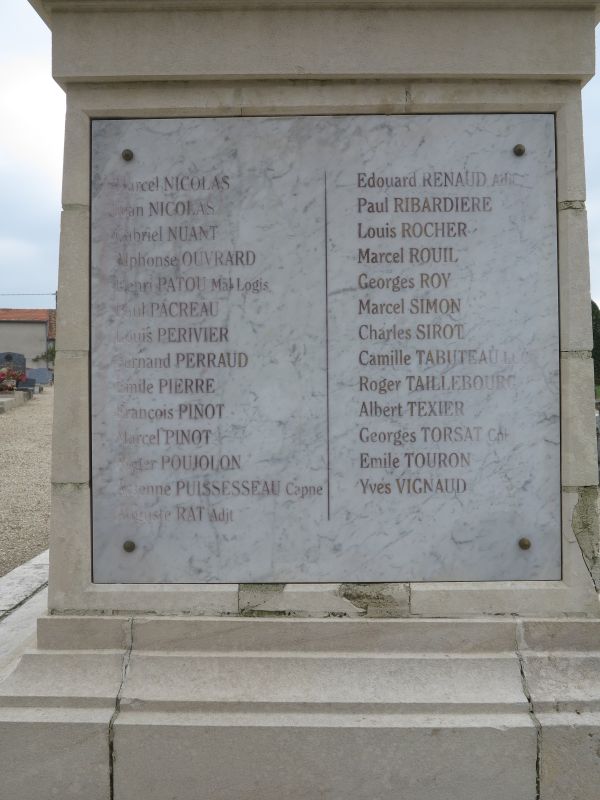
(325, 349)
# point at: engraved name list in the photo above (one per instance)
(324, 349)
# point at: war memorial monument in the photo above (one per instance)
(324, 511)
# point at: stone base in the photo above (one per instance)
(10, 400)
(157, 708)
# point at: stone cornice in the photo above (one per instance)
(46, 7)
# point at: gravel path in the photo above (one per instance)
(26, 436)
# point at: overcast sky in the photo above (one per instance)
(31, 138)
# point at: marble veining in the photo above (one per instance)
(325, 349)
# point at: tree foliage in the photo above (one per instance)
(50, 354)
(596, 348)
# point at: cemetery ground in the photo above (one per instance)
(26, 435)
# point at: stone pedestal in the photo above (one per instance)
(151, 707)
(433, 690)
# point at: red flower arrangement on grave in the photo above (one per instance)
(9, 378)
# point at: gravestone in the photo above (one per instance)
(324, 511)
(14, 361)
(26, 384)
(42, 375)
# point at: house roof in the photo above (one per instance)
(27, 315)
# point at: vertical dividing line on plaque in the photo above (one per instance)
(327, 348)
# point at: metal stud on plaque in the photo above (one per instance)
(524, 543)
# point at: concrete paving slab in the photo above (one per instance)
(20, 583)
